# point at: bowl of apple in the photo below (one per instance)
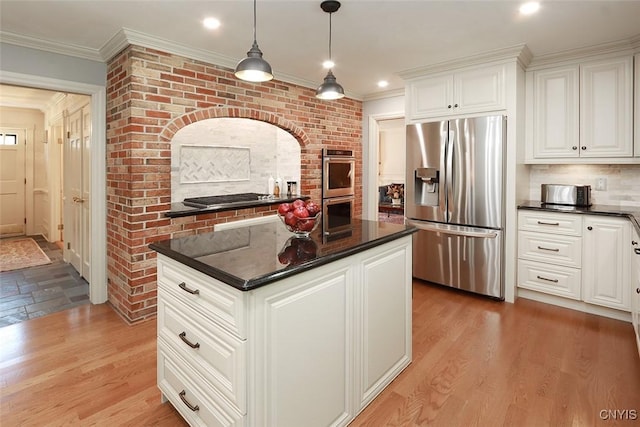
(300, 217)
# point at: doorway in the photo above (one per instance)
(97, 198)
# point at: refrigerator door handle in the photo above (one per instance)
(449, 171)
(455, 230)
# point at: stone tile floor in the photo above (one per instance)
(37, 291)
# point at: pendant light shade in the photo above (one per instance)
(254, 68)
(330, 88)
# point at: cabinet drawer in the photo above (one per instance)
(552, 248)
(549, 278)
(212, 298)
(568, 224)
(198, 406)
(219, 356)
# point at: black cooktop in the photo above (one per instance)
(208, 201)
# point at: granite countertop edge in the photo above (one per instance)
(629, 212)
(179, 209)
(256, 282)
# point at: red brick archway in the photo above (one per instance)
(178, 123)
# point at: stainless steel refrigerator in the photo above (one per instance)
(454, 196)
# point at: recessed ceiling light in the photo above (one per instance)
(211, 23)
(383, 83)
(328, 64)
(529, 8)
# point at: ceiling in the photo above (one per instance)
(372, 40)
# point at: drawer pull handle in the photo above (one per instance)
(548, 249)
(186, 402)
(548, 280)
(183, 286)
(183, 337)
(637, 251)
(548, 223)
(637, 290)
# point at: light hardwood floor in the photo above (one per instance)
(475, 362)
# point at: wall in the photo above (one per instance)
(17, 59)
(36, 172)
(623, 181)
(151, 95)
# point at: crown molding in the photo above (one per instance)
(49, 46)
(384, 95)
(617, 47)
(520, 52)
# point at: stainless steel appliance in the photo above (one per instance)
(454, 196)
(572, 195)
(338, 190)
(338, 173)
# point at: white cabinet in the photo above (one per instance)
(635, 285)
(556, 113)
(581, 111)
(312, 349)
(607, 264)
(550, 253)
(578, 257)
(636, 146)
(606, 108)
(474, 90)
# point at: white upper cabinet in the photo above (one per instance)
(555, 117)
(582, 112)
(470, 91)
(606, 106)
(636, 148)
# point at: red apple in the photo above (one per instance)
(301, 212)
(290, 219)
(284, 208)
(298, 203)
(313, 208)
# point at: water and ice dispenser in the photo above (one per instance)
(426, 186)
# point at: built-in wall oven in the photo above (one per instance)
(338, 190)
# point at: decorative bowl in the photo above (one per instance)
(301, 227)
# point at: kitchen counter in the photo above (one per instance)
(179, 209)
(250, 257)
(633, 214)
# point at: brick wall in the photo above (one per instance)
(150, 96)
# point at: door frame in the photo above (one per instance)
(98, 277)
(370, 179)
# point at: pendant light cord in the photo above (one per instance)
(330, 57)
(254, 22)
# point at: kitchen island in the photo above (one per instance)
(256, 327)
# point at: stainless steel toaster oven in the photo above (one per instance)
(571, 195)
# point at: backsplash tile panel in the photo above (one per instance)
(623, 181)
(201, 164)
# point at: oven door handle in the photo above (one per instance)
(455, 230)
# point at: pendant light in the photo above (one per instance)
(254, 68)
(330, 88)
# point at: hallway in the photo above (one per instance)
(37, 291)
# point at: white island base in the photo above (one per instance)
(311, 349)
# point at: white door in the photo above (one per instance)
(76, 191)
(12, 182)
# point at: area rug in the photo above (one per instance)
(21, 253)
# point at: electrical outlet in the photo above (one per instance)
(601, 184)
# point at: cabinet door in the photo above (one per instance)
(636, 148)
(635, 285)
(606, 265)
(430, 97)
(606, 107)
(555, 113)
(479, 90)
(385, 308)
(304, 349)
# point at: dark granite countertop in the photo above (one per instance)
(180, 209)
(632, 213)
(249, 257)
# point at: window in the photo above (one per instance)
(8, 139)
